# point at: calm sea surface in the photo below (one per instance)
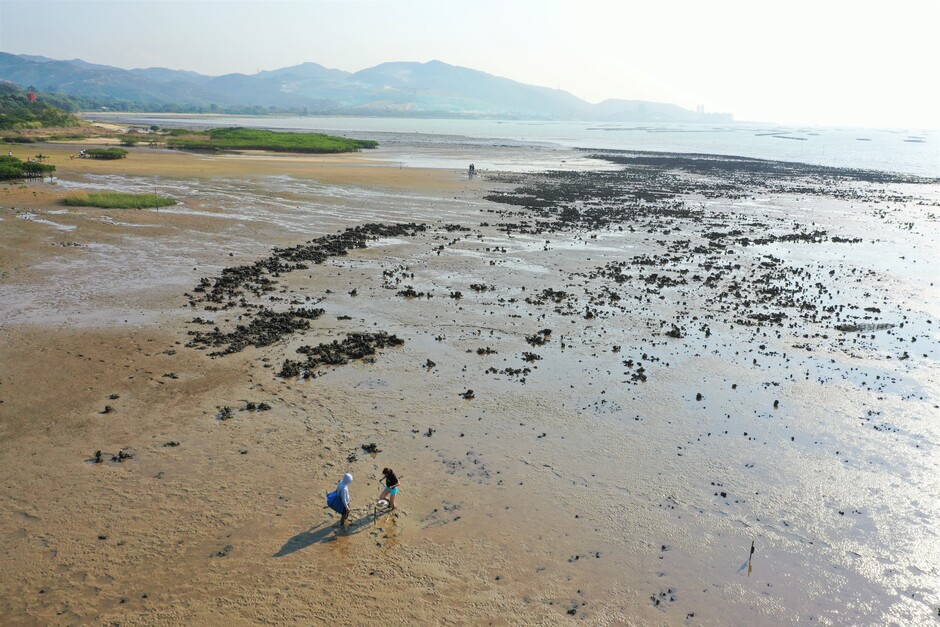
(910, 151)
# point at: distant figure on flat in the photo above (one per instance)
(338, 499)
(471, 171)
(391, 487)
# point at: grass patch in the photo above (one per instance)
(117, 200)
(259, 139)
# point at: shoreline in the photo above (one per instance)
(532, 499)
(878, 149)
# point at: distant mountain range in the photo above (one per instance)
(429, 89)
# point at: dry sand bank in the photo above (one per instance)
(572, 491)
(344, 169)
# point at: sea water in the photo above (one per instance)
(908, 151)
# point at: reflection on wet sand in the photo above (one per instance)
(668, 361)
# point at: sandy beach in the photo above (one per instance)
(610, 384)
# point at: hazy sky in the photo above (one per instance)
(799, 62)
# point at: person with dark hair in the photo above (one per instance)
(391, 486)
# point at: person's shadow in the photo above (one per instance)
(323, 533)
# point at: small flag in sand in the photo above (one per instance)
(747, 564)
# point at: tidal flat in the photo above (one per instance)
(604, 385)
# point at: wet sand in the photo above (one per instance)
(613, 470)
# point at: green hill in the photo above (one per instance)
(17, 112)
(432, 89)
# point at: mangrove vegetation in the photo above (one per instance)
(106, 153)
(259, 139)
(15, 168)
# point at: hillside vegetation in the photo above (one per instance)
(17, 112)
(258, 139)
(400, 89)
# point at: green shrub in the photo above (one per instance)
(117, 200)
(28, 124)
(106, 153)
(259, 139)
(14, 168)
(9, 171)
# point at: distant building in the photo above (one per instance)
(31, 96)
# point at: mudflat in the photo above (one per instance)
(597, 388)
